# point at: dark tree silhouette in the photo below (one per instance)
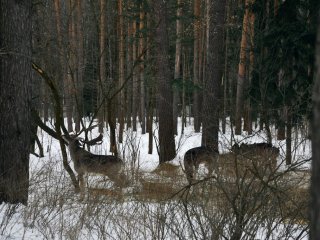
(214, 74)
(315, 179)
(165, 95)
(15, 87)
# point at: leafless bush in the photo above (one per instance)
(239, 201)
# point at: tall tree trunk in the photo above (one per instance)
(196, 81)
(248, 119)
(275, 7)
(214, 68)
(288, 137)
(225, 74)
(73, 60)
(315, 177)
(184, 77)
(151, 91)
(121, 69)
(79, 65)
(177, 65)
(142, 80)
(112, 125)
(281, 133)
(283, 110)
(242, 71)
(164, 95)
(103, 57)
(62, 53)
(111, 82)
(69, 81)
(150, 120)
(15, 100)
(135, 90)
(130, 67)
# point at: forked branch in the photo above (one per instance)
(59, 124)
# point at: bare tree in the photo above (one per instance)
(121, 54)
(135, 91)
(80, 63)
(164, 95)
(315, 178)
(214, 75)
(242, 70)
(177, 64)
(15, 99)
(102, 63)
(141, 70)
(196, 80)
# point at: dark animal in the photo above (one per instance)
(263, 151)
(195, 156)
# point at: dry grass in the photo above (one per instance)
(148, 210)
(157, 191)
(237, 186)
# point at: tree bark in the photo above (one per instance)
(15, 100)
(196, 80)
(164, 95)
(102, 64)
(62, 54)
(248, 119)
(225, 74)
(141, 70)
(80, 63)
(184, 77)
(68, 82)
(210, 127)
(135, 91)
(241, 72)
(151, 91)
(121, 69)
(177, 65)
(315, 177)
(130, 65)
(288, 137)
(281, 133)
(64, 62)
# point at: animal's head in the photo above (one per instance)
(72, 140)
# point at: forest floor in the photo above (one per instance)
(159, 203)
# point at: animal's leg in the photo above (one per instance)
(196, 170)
(190, 176)
(212, 161)
(188, 168)
(210, 168)
(81, 185)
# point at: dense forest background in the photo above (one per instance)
(68, 66)
(129, 63)
(126, 62)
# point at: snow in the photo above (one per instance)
(56, 212)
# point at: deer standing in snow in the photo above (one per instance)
(195, 156)
(86, 162)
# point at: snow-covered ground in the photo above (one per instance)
(56, 212)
